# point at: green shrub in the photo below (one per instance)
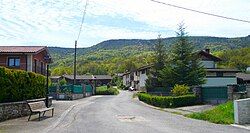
(168, 101)
(18, 85)
(62, 82)
(180, 90)
(103, 90)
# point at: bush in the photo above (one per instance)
(18, 85)
(62, 82)
(168, 101)
(180, 90)
(103, 90)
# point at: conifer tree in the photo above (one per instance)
(158, 65)
(184, 67)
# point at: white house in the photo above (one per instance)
(142, 76)
(126, 79)
(214, 75)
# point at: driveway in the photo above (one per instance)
(118, 114)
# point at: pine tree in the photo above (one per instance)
(158, 65)
(184, 67)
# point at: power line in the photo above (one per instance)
(201, 12)
(83, 18)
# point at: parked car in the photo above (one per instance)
(131, 88)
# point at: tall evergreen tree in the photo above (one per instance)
(158, 65)
(184, 66)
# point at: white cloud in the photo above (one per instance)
(56, 22)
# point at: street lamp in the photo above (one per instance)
(48, 60)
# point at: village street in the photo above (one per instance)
(113, 114)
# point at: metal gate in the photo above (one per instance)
(89, 90)
(214, 94)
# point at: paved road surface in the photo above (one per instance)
(122, 114)
(114, 114)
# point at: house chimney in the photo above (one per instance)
(207, 50)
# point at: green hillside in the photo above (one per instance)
(115, 56)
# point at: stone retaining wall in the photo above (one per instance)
(13, 110)
(242, 111)
(16, 109)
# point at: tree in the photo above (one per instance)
(158, 65)
(184, 67)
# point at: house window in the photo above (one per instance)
(42, 71)
(143, 71)
(219, 74)
(14, 62)
(35, 65)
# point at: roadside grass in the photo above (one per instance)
(221, 114)
(104, 90)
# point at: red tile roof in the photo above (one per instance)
(21, 49)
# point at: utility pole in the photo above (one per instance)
(75, 63)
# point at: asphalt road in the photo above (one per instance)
(122, 114)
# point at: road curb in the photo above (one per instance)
(241, 126)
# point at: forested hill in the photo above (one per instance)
(116, 56)
(201, 42)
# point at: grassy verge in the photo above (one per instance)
(221, 114)
(103, 90)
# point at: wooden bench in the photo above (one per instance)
(38, 107)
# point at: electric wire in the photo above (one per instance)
(83, 18)
(201, 12)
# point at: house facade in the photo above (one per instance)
(137, 78)
(126, 79)
(216, 76)
(28, 58)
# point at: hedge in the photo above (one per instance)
(103, 90)
(168, 101)
(19, 85)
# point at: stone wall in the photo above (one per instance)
(16, 109)
(77, 96)
(242, 111)
(13, 110)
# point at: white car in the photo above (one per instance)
(131, 88)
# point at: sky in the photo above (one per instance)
(57, 22)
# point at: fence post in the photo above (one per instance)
(230, 91)
(197, 91)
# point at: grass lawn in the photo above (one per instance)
(221, 114)
(104, 90)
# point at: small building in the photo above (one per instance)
(55, 79)
(80, 79)
(88, 79)
(243, 78)
(102, 79)
(137, 78)
(28, 58)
